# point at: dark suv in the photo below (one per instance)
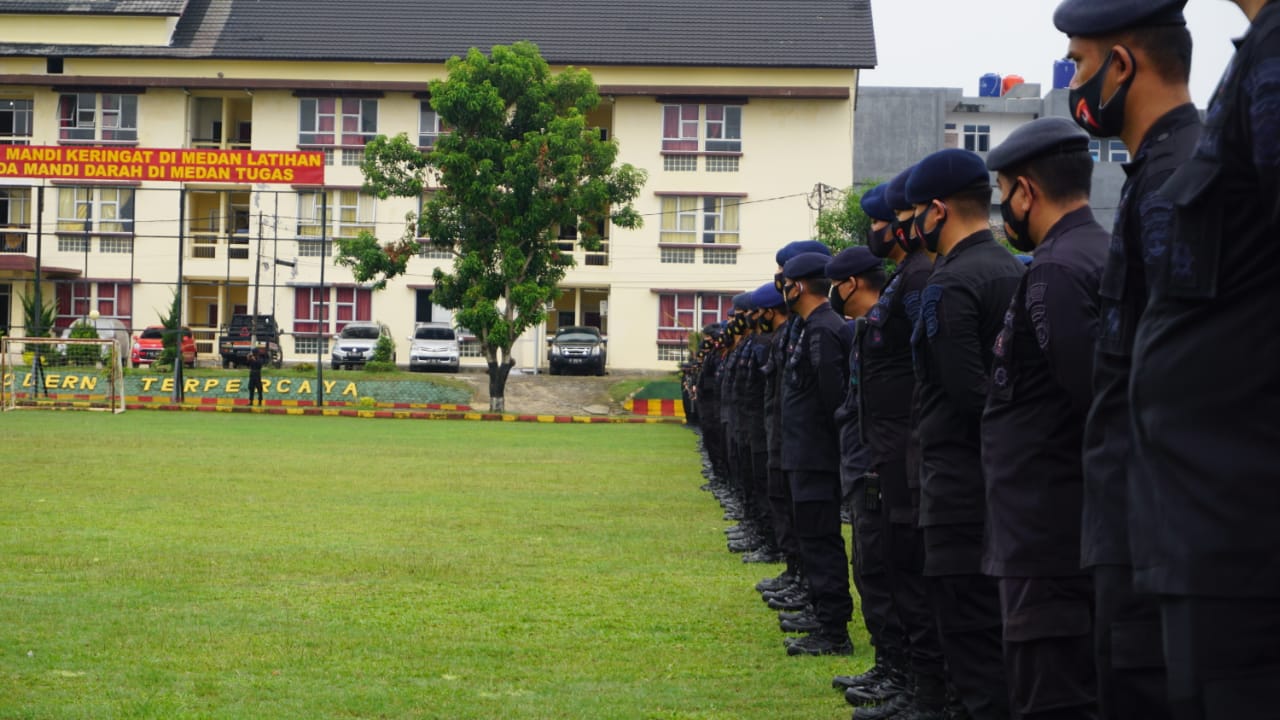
(577, 348)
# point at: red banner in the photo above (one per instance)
(239, 167)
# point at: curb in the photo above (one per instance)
(394, 414)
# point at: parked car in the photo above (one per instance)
(244, 334)
(577, 348)
(108, 329)
(150, 342)
(354, 346)
(434, 345)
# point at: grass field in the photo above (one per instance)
(176, 565)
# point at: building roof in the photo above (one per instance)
(732, 33)
(92, 7)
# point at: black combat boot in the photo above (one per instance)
(825, 641)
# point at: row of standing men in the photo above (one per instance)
(1060, 476)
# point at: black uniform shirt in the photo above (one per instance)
(750, 392)
(1205, 392)
(855, 459)
(962, 311)
(1139, 246)
(727, 370)
(1033, 427)
(887, 380)
(778, 353)
(814, 383)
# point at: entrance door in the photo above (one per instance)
(6, 307)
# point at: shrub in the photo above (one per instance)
(377, 366)
(384, 351)
(367, 402)
(304, 368)
(83, 355)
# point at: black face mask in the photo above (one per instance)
(791, 301)
(880, 242)
(838, 300)
(900, 233)
(1099, 119)
(933, 237)
(1018, 231)
(764, 323)
(778, 282)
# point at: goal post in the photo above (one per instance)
(61, 374)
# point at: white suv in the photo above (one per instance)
(354, 346)
(435, 345)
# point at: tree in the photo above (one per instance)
(845, 224)
(519, 163)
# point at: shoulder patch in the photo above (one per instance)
(1037, 312)
(930, 300)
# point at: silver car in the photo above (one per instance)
(354, 346)
(435, 345)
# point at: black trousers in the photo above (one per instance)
(781, 512)
(822, 551)
(1048, 647)
(967, 606)
(1128, 647)
(870, 570)
(255, 386)
(1223, 657)
(761, 514)
(912, 599)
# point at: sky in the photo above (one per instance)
(946, 43)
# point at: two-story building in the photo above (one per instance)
(736, 110)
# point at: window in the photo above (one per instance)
(684, 312)
(1095, 150)
(1118, 151)
(103, 211)
(15, 122)
(98, 117)
(352, 304)
(318, 120)
(950, 136)
(430, 126)
(15, 219)
(977, 138)
(310, 310)
(217, 218)
(709, 220)
(350, 212)
(680, 163)
(721, 163)
(721, 128)
(312, 314)
(75, 300)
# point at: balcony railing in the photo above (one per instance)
(13, 239)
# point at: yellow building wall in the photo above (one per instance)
(87, 29)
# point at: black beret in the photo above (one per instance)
(806, 265)
(1091, 18)
(946, 173)
(800, 246)
(1046, 136)
(895, 194)
(874, 205)
(767, 296)
(852, 262)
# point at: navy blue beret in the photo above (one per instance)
(767, 296)
(742, 302)
(852, 262)
(946, 173)
(800, 246)
(895, 193)
(1091, 18)
(806, 265)
(713, 329)
(1046, 136)
(874, 205)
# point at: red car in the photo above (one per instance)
(148, 344)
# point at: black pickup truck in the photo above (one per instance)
(244, 334)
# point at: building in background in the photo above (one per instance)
(735, 110)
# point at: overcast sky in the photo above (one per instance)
(951, 43)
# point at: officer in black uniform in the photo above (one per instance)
(1132, 64)
(1206, 402)
(732, 502)
(1033, 427)
(814, 383)
(961, 313)
(708, 399)
(857, 277)
(790, 583)
(751, 393)
(887, 400)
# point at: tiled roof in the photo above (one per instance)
(92, 7)
(739, 33)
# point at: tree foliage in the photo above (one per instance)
(519, 163)
(845, 225)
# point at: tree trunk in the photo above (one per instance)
(498, 372)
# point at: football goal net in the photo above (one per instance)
(61, 374)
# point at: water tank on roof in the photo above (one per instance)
(1010, 82)
(989, 85)
(1063, 71)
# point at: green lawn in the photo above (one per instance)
(191, 565)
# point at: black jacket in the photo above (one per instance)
(1205, 390)
(962, 311)
(1139, 247)
(1033, 427)
(814, 383)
